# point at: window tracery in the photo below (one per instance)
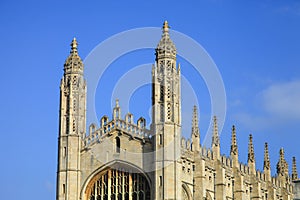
(118, 184)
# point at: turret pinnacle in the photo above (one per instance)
(73, 64)
(266, 158)
(215, 138)
(165, 48)
(251, 157)
(195, 127)
(234, 147)
(294, 170)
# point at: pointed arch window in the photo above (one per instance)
(119, 184)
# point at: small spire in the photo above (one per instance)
(251, 157)
(266, 157)
(195, 127)
(74, 45)
(215, 138)
(294, 170)
(234, 147)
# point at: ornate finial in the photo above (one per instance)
(74, 45)
(282, 166)
(266, 157)
(195, 127)
(215, 139)
(234, 147)
(117, 103)
(250, 150)
(166, 27)
(294, 170)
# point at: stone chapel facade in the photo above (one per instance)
(124, 160)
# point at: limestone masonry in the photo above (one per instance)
(124, 160)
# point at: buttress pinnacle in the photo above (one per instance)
(266, 158)
(282, 166)
(251, 157)
(234, 147)
(294, 170)
(215, 138)
(195, 127)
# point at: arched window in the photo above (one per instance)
(119, 184)
(118, 144)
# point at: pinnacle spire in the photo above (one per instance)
(294, 170)
(74, 45)
(195, 127)
(234, 147)
(73, 63)
(165, 48)
(266, 157)
(282, 166)
(251, 157)
(215, 138)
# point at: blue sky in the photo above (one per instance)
(255, 44)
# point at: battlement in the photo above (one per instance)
(138, 130)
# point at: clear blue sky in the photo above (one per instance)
(255, 44)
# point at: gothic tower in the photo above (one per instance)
(72, 126)
(166, 119)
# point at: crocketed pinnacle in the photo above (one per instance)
(266, 157)
(294, 170)
(282, 166)
(234, 147)
(73, 63)
(251, 157)
(215, 138)
(165, 48)
(195, 127)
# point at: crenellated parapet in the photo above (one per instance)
(127, 126)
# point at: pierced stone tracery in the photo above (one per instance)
(116, 184)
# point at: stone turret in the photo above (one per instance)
(234, 148)
(166, 118)
(72, 126)
(251, 157)
(267, 168)
(195, 131)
